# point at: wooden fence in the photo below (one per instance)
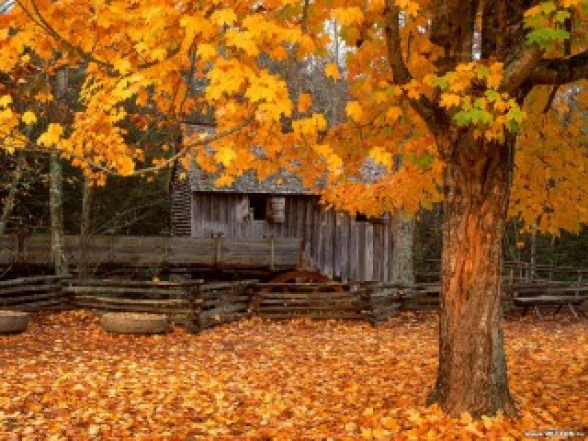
(157, 252)
(223, 302)
(201, 305)
(176, 300)
(32, 293)
(349, 301)
(516, 272)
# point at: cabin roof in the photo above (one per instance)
(280, 183)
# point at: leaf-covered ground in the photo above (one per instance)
(67, 379)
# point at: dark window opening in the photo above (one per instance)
(360, 217)
(258, 205)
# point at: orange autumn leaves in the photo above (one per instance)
(234, 61)
(67, 379)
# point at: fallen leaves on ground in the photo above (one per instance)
(65, 378)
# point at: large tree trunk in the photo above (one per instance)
(472, 372)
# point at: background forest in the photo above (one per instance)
(140, 206)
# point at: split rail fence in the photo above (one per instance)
(199, 305)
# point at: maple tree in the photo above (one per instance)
(466, 93)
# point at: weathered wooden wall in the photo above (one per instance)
(334, 243)
(180, 203)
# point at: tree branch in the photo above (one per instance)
(400, 71)
(557, 71)
(44, 24)
(303, 20)
(395, 58)
(110, 172)
(520, 66)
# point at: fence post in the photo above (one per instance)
(254, 300)
(195, 301)
(367, 304)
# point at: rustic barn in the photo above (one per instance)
(338, 245)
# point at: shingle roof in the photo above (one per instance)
(279, 183)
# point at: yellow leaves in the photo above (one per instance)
(304, 102)
(393, 114)
(570, 3)
(6, 115)
(410, 7)
(125, 165)
(376, 5)
(29, 118)
(122, 65)
(332, 160)
(224, 181)
(332, 71)
(52, 136)
(381, 156)
(206, 51)
(354, 111)
(495, 76)
(242, 40)
(310, 126)
(279, 53)
(347, 16)
(5, 100)
(225, 155)
(222, 17)
(449, 100)
(413, 89)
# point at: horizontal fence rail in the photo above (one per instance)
(157, 251)
(199, 305)
(32, 293)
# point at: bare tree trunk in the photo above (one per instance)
(472, 373)
(56, 211)
(85, 227)
(403, 251)
(11, 196)
(533, 251)
(56, 188)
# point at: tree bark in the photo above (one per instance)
(85, 227)
(403, 251)
(56, 211)
(472, 375)
(11, 196)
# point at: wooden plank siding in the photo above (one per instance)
(180, 207)
(334, 244)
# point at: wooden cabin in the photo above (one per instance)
(338, 245)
